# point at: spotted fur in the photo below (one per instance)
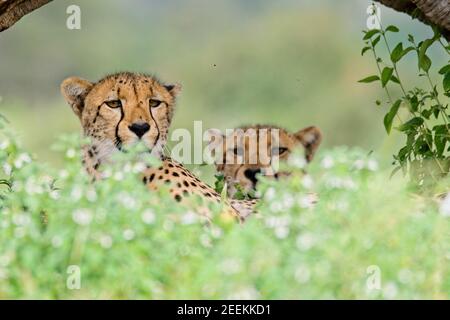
(241, 163)
(125, 108)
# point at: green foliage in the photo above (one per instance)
(132, 243)
(423, 117)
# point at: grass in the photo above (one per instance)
(63, 237)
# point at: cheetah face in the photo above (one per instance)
(249, 152)
(122, 109)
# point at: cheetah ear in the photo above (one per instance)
(310, 138)
(215, 143)
(174, 89)
(74, 90)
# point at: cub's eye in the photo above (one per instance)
(279, 151)
(238, 151)
(154, 103)
(114, 104)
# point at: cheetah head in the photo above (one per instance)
(121, 110)
(248, 152)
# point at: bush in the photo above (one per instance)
(127, 242)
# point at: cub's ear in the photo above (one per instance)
(74, 90)
(310, 138)
(174, 89)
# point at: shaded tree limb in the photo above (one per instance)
(431, 12)
(12, 10)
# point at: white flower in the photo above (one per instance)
(270, 194)
(76, 193)
(305, 241)
(21, 219)
(82, 217)
(91, 195)
(21, 160)
(230, 266)
(302, 274)
(118, 176)
(248, 293)
(70, 153)
(148, 216)
(444, 208)
(327, 162)
(4, 144)
(56, 241)
(359, 164)
(390, 290)
(106, 241)
(127, 201)
(189, 218)
(372, 165)
(7, 169)
(128, 234)
(307, 182)
(63, 174)
(281, 232)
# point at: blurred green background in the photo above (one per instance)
(290, 63)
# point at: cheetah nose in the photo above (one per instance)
(251, 174)
(139, 128)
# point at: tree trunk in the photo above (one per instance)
(12, 10)
(431, 12)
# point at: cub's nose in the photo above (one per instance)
(139, 128)
(251, 174)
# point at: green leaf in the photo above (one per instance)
(364, 50)
(397, 52)
(446, 82)
(444, 69)
(389, 117)
(386, 75)
(394, 79)
(424, 45)
(369, 34)
(369, 79)
(392, 28)
(411, 124)
(424, 63)
(375, 41)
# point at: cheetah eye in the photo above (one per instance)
(279, 151)
(114, 104)
(154, 103)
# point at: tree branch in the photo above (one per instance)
(12, 10)
(431, 12)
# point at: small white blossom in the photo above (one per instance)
(148, 216)
(230, 266)
(305, 241)
(106, 241)
(4, 144)
(372, 165)
(302, 274)
(128, 234)
(281, 232)
(270, 194)
(189, 218)
(22, 159)
(71, 153)
(7, 169)
(327, 162)
(82, 217)
(57, 241)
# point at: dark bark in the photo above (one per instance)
(12, 10)
(431, 12)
